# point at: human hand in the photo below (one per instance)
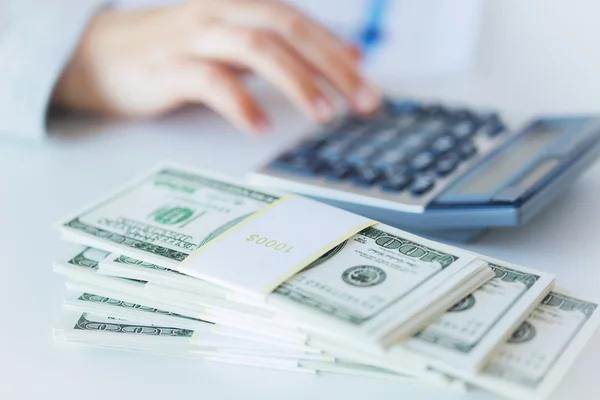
(145, 63)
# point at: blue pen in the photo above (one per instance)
(371, 32)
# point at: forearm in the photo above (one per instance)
(36, 41)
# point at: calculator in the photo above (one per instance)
(436, 170)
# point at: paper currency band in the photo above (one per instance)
(273, 244)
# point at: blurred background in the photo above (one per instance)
(501, 54)
(406, 38)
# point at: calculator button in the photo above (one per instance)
(352, 122)
(361, 154)
(491, 118)
(387, 108)
(422, 161)
(392, 109)
(390, 159)
(421, 185)
(443, 144)
(334, 151)
(463, 130)
(350, 127)
(396, 182)
(467, 150)
(383, 138)
(494, 130)
(297, 165)
(414, 142)
(336, 172)
(433, 126)
(404, 121)
(492, 125)
(345, 136)
(403, 107)
(365, 176)
(435, 110)
(446, 165)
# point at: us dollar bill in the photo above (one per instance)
(165, 216)
(117, 333)
(112, 331)
(130, 310)
(126, 267)
(375, 279)
(539, 352)
(87, 322)
(466, 335)
(108, 331)
(81, 266)
(463, 337)
(87, 257)
(360, 278)
(118, 265)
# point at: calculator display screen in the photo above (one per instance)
(508, 163)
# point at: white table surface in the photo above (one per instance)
(83, 159)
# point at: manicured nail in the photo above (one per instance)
(324, 112)
(261, 125)
(367, 99)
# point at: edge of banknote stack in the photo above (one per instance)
(382, 303)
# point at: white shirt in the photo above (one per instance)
(36, 41)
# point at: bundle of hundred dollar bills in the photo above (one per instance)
(378, 302)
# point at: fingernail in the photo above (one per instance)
(367, 99)
(323, 111)
(261, 125)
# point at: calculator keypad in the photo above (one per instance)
(405, 149)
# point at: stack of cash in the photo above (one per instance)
(384, 303)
